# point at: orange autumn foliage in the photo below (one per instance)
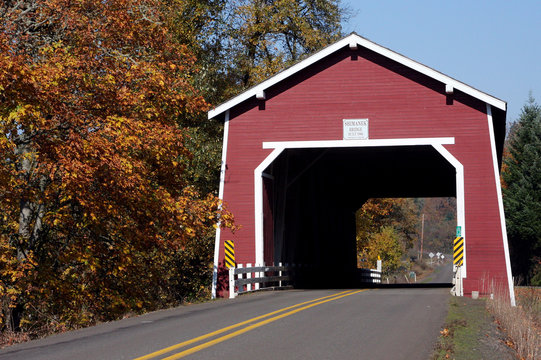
(97, 215)
(385, 228)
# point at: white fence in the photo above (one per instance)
(252, 278)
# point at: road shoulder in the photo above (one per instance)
(470, 332)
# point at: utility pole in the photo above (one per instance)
(422, 236)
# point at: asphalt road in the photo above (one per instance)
(370, 324)
(442, 274)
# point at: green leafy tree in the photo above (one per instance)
(522, 191)
(239, 43)
(268, 35)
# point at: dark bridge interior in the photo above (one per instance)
(311, 196)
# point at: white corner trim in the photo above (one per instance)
(224, 156)
(460, 198)
(357, 143)
(258, 203)
(351, 41)
(221, 197)
(500, 204)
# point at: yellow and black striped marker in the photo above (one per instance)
(229, 254)
(458, 251)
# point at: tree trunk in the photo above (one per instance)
(14, 318)
(30, 217)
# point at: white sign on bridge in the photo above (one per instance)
(355, 129)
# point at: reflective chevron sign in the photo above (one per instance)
(458, 251)
(229, 254)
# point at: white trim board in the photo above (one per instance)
(279, 147)
(460, 201)
(258, 203)
(500, 205)
(359, 40)
(357, 143)
(221, 197)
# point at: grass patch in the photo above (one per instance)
(468, 332)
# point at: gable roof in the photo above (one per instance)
(355, 40)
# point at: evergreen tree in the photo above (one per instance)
(522, 192)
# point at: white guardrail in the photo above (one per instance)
(253, 278)
(370, 276)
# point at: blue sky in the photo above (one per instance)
(494, 46)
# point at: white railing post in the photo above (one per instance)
(231, 283)
(457, 289)
(257, 275)
(378, 265)
(239, 277)
(260, 274)
(280, 274)
(249, 276)
(459, 281)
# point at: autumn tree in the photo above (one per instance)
(522, 193)
(399, 213)
(385, 245)
(95, 193)
(201, 27)
(107, 155)
(386, 227)
(403, 216)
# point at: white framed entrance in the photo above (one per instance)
(279, 147)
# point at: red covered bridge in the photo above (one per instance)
(306, 148)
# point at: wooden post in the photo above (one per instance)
(232, 283)
(249, 276)
(240, 276)
(422, 236)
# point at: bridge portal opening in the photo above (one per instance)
(311, 195)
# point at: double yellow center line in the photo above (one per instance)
(268, 319)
